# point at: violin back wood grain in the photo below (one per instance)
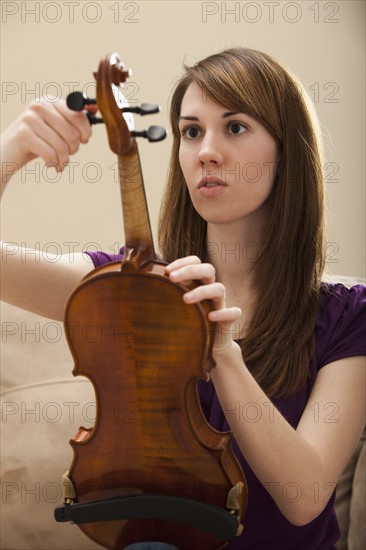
(144, 357)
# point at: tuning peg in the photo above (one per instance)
(76, 101)
(143, 109)
(94, 119)
(154, 133)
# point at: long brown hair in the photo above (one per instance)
(278, 345)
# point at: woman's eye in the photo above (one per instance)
(190, 132)
(237, 128)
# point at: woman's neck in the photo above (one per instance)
(232, 250)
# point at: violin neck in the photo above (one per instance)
(139, 244)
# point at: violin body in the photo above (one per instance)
(144, 350)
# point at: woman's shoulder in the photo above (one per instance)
(338, 300)
(341, 323)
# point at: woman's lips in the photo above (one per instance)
(211, 186)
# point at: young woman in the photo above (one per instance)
(243, 213)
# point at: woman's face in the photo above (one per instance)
(228, 159)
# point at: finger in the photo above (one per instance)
(225, 315)
(56, 116)
(40, 139)
(181, 262)
(202, 272)
(214, 291)
(77, 119)
(42, 149)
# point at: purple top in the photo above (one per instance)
(339, 333)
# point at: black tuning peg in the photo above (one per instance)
(76, 101)
(94, 119)
(154, 133)
(143, 109)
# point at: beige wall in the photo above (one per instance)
(47, 45)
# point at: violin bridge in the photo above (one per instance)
(233, 503)
(69, 490)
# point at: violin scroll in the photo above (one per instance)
(110, 78)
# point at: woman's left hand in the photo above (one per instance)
(191, 268)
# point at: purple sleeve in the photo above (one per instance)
(101, 258)
(342, 323)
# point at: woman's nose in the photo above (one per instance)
(210, 151)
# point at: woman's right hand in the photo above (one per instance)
(51, 131)
(48, 129)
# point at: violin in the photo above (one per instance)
(151, 468)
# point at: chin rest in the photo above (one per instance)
(205, 517)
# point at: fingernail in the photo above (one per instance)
(189, 296)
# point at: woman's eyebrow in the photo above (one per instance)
(231, 113)
(187, 118)
(224, 115)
